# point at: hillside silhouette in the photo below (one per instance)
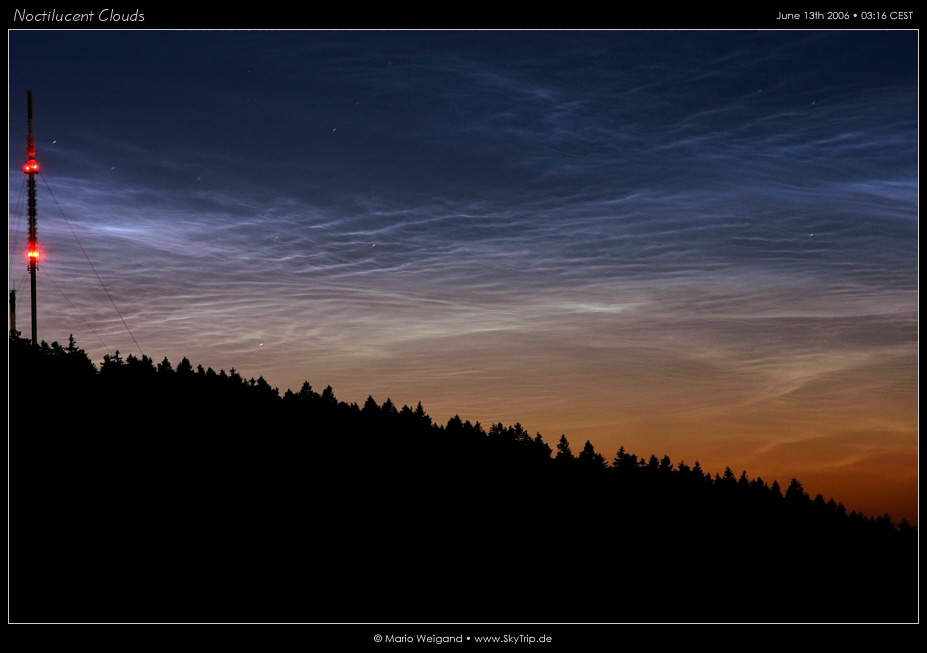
(145, 492)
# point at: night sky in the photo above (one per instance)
(694, 244)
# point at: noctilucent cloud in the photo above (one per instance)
(694, 244)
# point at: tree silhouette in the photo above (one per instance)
(371, 409)
(542, 449)
(257, 501)
(795, 492)
(111, 363)
(775, 490)
(590, 460)
(328, 397)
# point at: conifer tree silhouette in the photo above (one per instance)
(563, 449)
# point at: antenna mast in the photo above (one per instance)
(30, 168)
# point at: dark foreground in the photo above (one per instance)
(147, 495)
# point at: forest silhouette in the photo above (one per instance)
(140, 492)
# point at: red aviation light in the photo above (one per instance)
(31, 166)
(33, 253)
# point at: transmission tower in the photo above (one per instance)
(31, 167)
